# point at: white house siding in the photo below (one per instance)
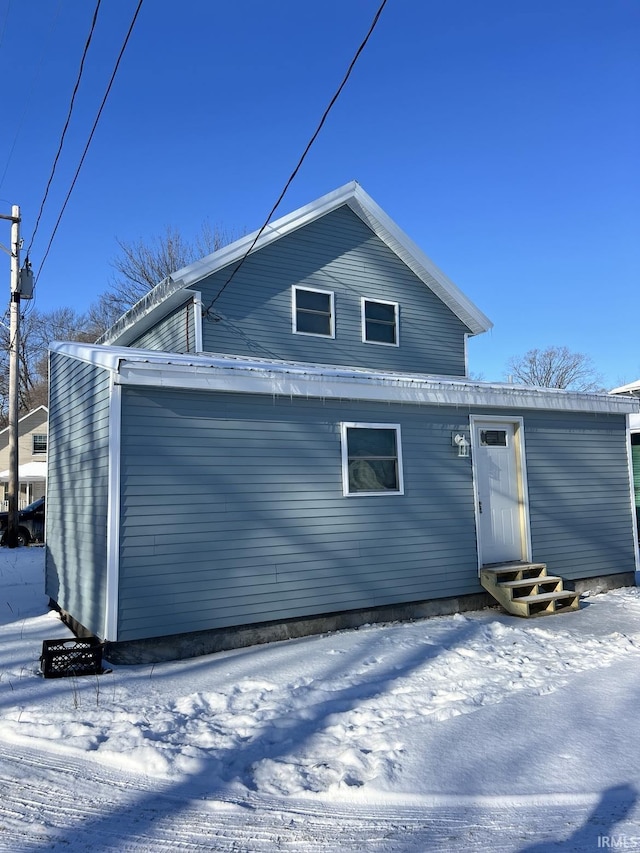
(338, 253)
(76, 517)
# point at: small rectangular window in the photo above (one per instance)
(380, 322)
(39, 443)
(371, 459)
(313, 312)
(493, 438)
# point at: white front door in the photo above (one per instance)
(500, 490)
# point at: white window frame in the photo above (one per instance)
(35, 452)
(363, 320)
(345, 459)
(294, 311)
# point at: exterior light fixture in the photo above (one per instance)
(463, 445)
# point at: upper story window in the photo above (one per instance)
(379, 322)
(313, 312)
(371, 459)
(39, 443)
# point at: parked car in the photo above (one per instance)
(30, 524)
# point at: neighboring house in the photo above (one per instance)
(32, 458)
(633, 390)
(276, 444)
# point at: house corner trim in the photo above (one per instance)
(113, 515)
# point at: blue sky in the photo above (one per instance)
(502, 136)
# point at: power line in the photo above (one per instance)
(301, 160)
(93, 130)
(66, 124)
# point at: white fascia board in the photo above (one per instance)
(96, 354)
(631, 388)
(295, 381)
(240, 374)
(27, 416)
(375, 218)
(227, 255)
(413, 256)
(146, 313)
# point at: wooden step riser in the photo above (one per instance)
(533, 589)
(554, 606)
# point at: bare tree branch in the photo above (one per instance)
(37, 331)
(144, 263)
(555, 367)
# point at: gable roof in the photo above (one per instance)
(29, 414)
(170, 293)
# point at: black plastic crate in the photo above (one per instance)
(64, 658)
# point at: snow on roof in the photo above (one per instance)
(32, 471)
(170, 291)
(630, 388)
(221, 372)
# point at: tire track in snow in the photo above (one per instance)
(71, 805)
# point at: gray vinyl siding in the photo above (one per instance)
(174, 333)
(253, 316)
(635, 460)
(233, 513)
(76, 517)
(579, 493)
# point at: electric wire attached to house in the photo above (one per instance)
(300, 161)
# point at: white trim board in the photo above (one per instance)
(166, 293)
(113, 514)
(148, 368)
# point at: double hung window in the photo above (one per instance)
(379, 322)
(371, 459)
(313, 312)
(39, 443)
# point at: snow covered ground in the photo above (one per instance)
(475, 732)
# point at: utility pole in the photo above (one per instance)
(21, 285)
(14, 349)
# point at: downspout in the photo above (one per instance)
(110, 632)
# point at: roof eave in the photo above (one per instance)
(243, 375)
(363, 206)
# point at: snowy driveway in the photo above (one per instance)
(468, 732)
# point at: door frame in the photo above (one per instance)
(521, 470)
